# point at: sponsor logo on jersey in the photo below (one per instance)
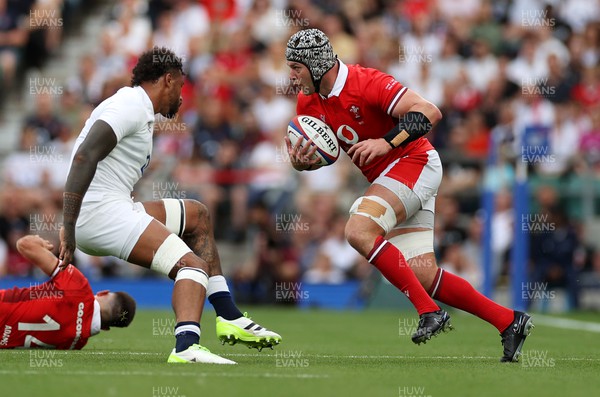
(78, 325)
(5, 335)
(347, 134)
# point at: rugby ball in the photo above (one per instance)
(311, 128)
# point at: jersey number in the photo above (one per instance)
(48, 325)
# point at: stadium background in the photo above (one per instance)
(518, 83)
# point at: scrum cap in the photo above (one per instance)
(312, 48)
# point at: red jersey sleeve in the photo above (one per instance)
(70, 278)
(382, 90)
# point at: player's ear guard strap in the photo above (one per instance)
(412, 126)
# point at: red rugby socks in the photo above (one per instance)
(391, 263)
(457, 292)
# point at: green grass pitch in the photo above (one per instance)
(324, 353)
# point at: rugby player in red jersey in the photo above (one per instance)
(381, 124)
(61, 313)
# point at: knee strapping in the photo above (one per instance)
(376, 209)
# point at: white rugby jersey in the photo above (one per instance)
(131, 115)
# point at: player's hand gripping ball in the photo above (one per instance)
(310, 128)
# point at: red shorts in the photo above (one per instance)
(415, 180)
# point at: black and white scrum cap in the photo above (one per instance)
(312, 48)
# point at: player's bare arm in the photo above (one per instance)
(302, 157)
(417, 117)
(97, 145)
(38, 252)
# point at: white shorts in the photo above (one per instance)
(415, 180)
(110, 226)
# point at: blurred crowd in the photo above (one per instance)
(517, 82)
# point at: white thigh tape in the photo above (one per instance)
(168, 254)
(377, 209)
(194, 274)
(414, 244)
(175, 215)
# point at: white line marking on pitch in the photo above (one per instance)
(566, 323)
(274, 355)
(146, 373)
(414, 357)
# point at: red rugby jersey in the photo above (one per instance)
(358, 108)
(56, 314)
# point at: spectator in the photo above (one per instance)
(44, 121)
(587, 91)
(502, 232)
(482, 67)
(272, 71)
(192, 19)
(267, 24)
(13, 37)
(553, 248)
(473, 253)
(344, 43)
(132, 30)
(272, 111)
(563, 138)
(343, 259)
(589, 144)
(560, 81)
(168, 34)
(527, 69)
(273, 260)
(14, 224)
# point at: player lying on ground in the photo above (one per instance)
(172, 237)
(61, 313)
(381, 124)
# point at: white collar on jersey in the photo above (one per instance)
(96, 323)
(340, 80)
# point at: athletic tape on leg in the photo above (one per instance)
(377, 209)
(175, 215)
(168, 254)
(194, 274)
(414, 244)
(216, 284)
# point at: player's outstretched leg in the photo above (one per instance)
(455, 291)
(166, 253)
(365, 236)
(190, 219)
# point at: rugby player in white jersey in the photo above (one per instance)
(170, 236)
